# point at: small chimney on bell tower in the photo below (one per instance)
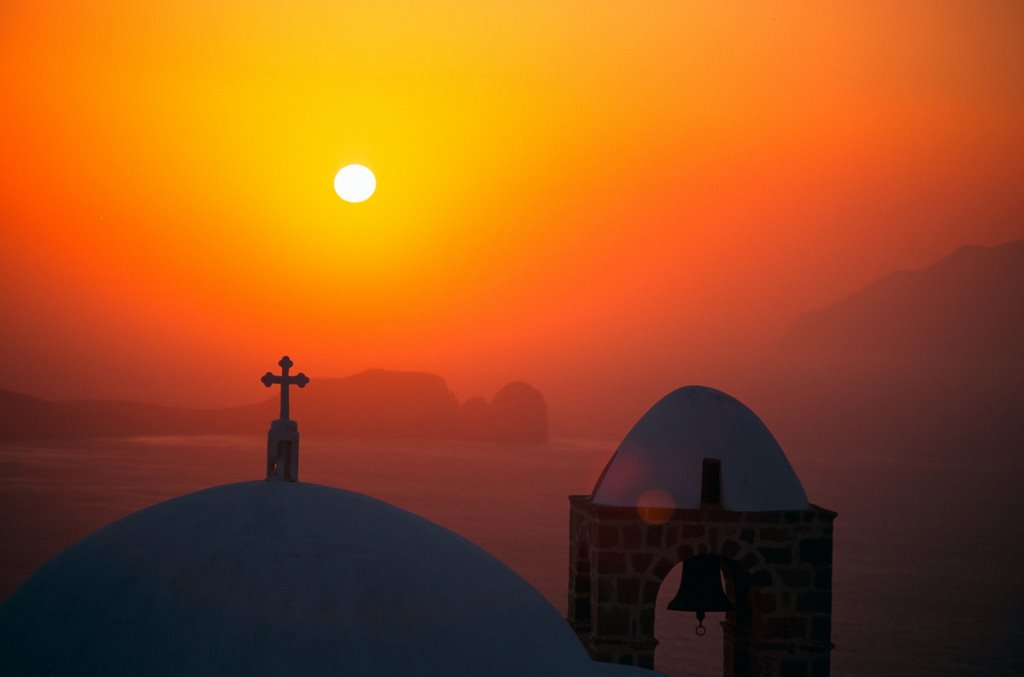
(283, 436)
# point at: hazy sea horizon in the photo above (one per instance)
(927, 549)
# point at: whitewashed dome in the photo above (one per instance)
(276, 578)
(660, 462)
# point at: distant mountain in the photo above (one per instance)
(969, 305)
(517, 413)
(378, 403)
(23, 416)
(371, 404)
(930, 361)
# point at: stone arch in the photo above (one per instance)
(676, 630)
(745, 576)
(779, 565)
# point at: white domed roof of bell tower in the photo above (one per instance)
(663, 460)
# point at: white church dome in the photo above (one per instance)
(278, 578)
(660, 463)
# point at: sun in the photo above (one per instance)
(355, 183)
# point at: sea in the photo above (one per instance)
(929, 551)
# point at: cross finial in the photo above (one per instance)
(284, 380)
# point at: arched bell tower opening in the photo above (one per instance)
(676, 632)
(683, 489)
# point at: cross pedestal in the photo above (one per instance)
(283, 436)
(283, 451)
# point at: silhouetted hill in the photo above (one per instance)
(23, 416)
(518, 413)
(371, 404)
(378, 403)
(968, 305)
(928, 362)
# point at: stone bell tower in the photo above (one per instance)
(700, 480)
(283, 436)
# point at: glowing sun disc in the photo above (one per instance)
(354, 183)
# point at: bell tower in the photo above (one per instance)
(700, 480)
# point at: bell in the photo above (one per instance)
(700, 589)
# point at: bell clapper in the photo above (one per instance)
(700, 629)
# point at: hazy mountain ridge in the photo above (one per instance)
(373, 404)
(928, 360)
(968, 305)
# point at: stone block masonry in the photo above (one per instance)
(777, 566)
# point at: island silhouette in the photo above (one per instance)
(375, 404)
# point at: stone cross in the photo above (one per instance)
(284, 380)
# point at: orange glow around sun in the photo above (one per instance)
(555, 179)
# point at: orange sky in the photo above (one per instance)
(576, 194)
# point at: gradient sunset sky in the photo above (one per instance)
(576, 194)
